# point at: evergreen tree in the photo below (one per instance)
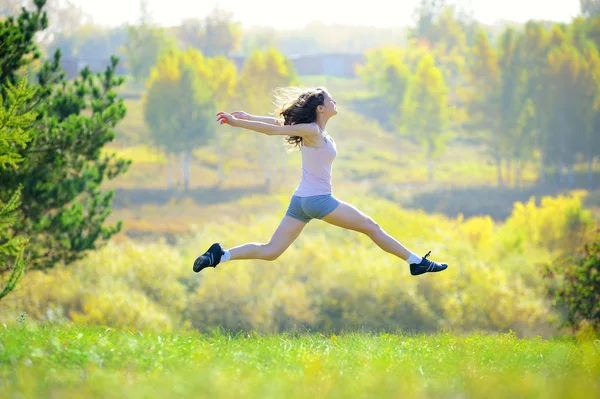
(63, 209)
(15, 131)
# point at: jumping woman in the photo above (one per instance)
(303, 126)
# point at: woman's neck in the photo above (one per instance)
(321, 126)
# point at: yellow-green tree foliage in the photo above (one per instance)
(182, 96)
(262, 73)
(425, 111)
(386, 72)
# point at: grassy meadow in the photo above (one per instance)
(334, 316)
(93, 362)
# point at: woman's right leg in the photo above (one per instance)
(288, 230)
(286, 233)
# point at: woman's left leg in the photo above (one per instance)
(349, 217)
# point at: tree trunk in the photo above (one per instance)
(590, 171)
(264, 158)
(508, 170)
(538, 139)
(499, 171)
(281, 163)
(169, 171)
(187, 157)
(430, 166)
(275, 162)
(220, 161)
(181, 167)
(284, 160)
(498, 160)
(561, 173)
(570, 175)
(517, 174)
(563, 149)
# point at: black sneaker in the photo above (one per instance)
(210, 258)
(426, 266)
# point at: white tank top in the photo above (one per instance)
(316, 168)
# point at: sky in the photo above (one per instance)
(294, 14)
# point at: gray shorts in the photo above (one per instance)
(313, 207)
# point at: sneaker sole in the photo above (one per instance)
(198, 264)
(425, 271)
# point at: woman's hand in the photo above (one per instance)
(228, 119)
(242, 115)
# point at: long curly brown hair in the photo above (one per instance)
(298, 106)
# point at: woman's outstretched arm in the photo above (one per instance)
(265, 119)
(301, 129)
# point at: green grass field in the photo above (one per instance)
(77, 362)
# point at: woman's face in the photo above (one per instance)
(329, 108)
